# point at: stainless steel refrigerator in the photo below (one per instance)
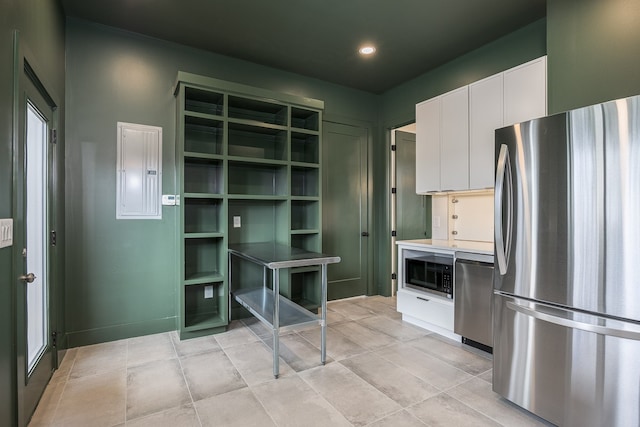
(567, 265)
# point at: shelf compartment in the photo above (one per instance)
(203, 101)
(304, 215)
(305, 148)
(202, 135)
(258, 179)
(202, 215)
(261, 221)
(305, 119)
(259, 111)
(202, 258)
(203, 176)
(309, 242)
(304, 181)
(257, 142)
(305, 288)
(201, 312)
(259, 302)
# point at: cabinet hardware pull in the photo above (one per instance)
(423, 299)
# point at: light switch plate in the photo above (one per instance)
(6, 232)
(208, 291)
(237, 223)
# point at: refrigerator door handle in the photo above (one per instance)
(540, 314)
(503, 179)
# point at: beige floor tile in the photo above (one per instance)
(363, 336)
(64, 370)
(338, 346)
(46, 409)
(350, 310)
(95, 400)
(155, 386)
(254, 361)
(182, 416)
(477, 394)
(444, 410)
(334, 317)
(357, 400)
(291, 402)
(298, 353)
(398, 384)
(99, 358)
(487, 376)
(399, 419)
(150, 348)
(209, 374)
(453, 353)
(401, 331)
(237, 334)
(379, 307)
(238, 408)
(193, 345)
(434, 371)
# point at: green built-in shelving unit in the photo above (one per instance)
(247, 153)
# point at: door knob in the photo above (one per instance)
(29, 278)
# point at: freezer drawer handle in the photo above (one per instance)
(423, 299)
(503, 178)
(548, 317)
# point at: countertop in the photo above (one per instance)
(450, 245)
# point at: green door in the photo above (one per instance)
(35, 353)
(345, 208)
(413, 211)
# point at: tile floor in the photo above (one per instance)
(379, 372)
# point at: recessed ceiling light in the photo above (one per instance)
(367, 50)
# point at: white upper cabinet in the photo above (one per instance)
(454, 140)
(455, 132)
(428, 146)
(525, 92)
(442, 142)
(485, 116)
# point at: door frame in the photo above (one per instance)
(27, 83)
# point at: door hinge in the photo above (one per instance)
(393, 147)
(53, 238)
(393, 233)
(54, 339)
(393, 190)
(54, 136)
(365, 234)
(394, 276)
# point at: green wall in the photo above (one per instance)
(41, 27)
(593, 52)
(398, 108)
(121, 279)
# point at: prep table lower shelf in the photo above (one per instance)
(260, 303)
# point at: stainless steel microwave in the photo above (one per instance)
(433, 273)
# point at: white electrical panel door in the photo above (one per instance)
(139, 172)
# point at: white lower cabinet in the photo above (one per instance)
(429, 312)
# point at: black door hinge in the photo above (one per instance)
(394, 276)
(393, 147)
(54, 136)
(53, 238)
(54, 339)
(393, 233)
(364, 234)
(393, 190)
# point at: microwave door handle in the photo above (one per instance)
(503, 179)
(540, 314)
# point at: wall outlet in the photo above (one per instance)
(208, 291)
(6, 232)
(237, 223)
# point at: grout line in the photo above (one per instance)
(184, 378)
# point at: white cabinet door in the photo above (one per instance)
(454, 140)
(485, 116)
(428, 146)
(525, 92)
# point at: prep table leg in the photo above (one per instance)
(323, 325)
(276, 322)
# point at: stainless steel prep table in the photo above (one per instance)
(279, 313)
